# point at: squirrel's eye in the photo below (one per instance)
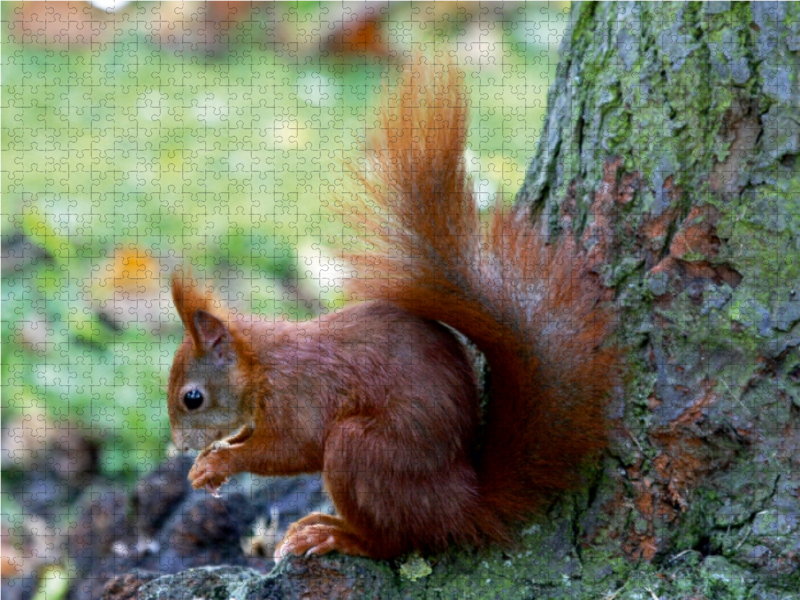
(193, 399)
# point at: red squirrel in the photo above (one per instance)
(381, 396)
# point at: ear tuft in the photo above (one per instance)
(189, 298)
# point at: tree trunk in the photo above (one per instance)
(671, 149)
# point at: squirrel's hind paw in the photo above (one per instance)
(318, 533)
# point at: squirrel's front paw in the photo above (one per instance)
(210, 470)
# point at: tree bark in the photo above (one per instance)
(671, 148)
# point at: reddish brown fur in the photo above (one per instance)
(381, 397)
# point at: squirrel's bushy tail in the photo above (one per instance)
(530, 307)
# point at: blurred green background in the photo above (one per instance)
(208, 135)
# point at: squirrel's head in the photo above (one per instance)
(205, 385)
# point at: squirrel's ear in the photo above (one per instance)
(188, 300)
(213, 338)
